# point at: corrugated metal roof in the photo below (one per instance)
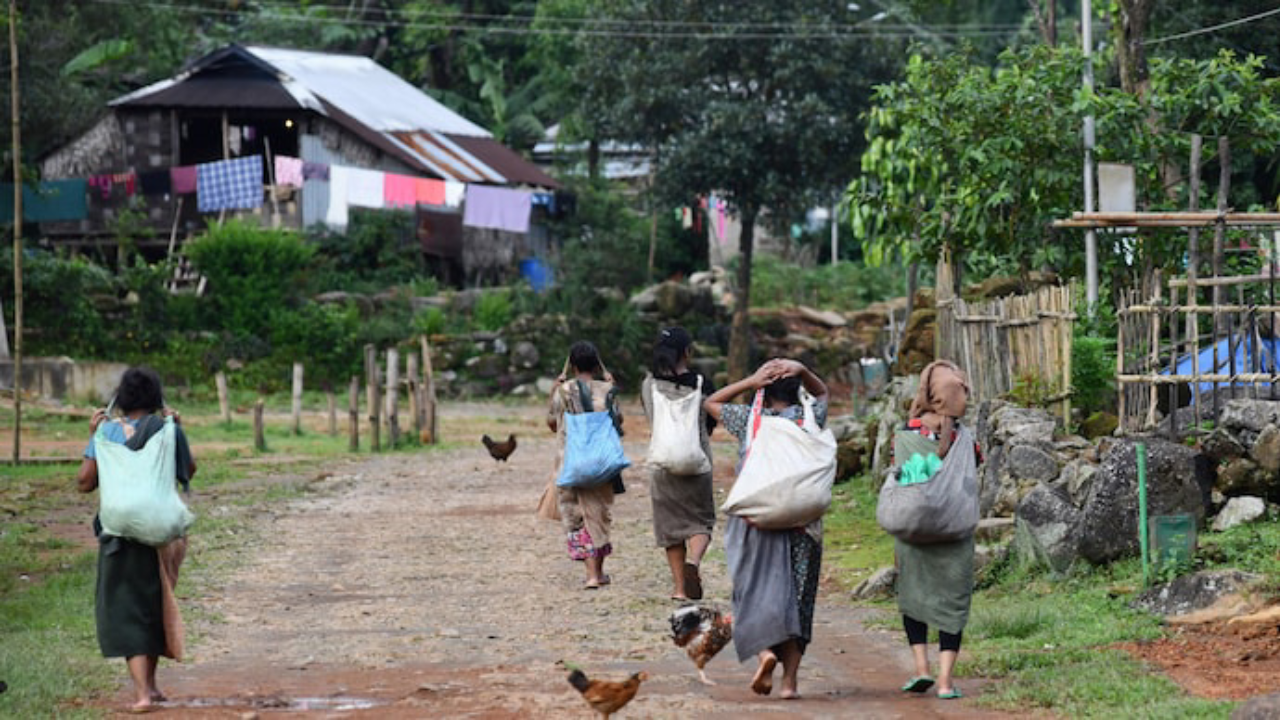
(517, 170)
(357, 93)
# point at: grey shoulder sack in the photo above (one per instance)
(944, 509)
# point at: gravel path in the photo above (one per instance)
(421, 585)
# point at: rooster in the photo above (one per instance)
(500, 450)
(702, 632)
(605, 696)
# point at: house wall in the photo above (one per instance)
(327, 142)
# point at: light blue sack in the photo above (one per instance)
(137, 489)
(592, 449)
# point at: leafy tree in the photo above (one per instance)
(764, 119)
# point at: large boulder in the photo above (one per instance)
(1193, 592)
(674, 299)
(1238, 511)
(1109, 521)
(1263, 707)
(1249, 415)
(1012, 425)
(1046, 529)
(1028, 462)
(1266, 449)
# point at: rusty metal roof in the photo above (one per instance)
(355, 92)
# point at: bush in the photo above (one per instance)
(844, 286)
(251, 271)
(59, 313)
(378, 249)
(493, 311)
(1093, 371)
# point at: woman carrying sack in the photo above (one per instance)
(134, 603)
(774, 572)
(935, 580)
(585, 511)
(684, 511)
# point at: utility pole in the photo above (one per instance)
(17, 232)
(1090, 204)
(835, 230)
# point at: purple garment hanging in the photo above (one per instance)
(497, 208)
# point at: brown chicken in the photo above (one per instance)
(606, 696)
(500, 450)
(702, 632)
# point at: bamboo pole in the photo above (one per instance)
(429, 402)
(1240, 308)
(1173, 368)
(259, 428)
(1193, 271)
(1122, 328)
(414, 386)
(1220, 228)
(393, 397)
(297, 398)
(1154, 339)
(224, 400)
(15, 118)
(371, 395)
(353, 414)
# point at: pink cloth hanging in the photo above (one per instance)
(429, 191)
(183, 179)
(399, 191)
(288, 171)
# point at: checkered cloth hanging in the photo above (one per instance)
(229, 184)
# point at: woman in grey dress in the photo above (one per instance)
(774, 572)
(684, 510)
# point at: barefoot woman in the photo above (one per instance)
(775, 572)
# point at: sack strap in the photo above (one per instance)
(757, 406)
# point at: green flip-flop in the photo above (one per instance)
(918, 684)
(952, 694)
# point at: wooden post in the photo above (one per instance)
(429, 391)
(297, 398)
(333, 409)
(1220, 228)
(224, 402)
(415, 400)
(259, 432)
(371, 394)
(14, 107)
(393, 397)
(353, 413)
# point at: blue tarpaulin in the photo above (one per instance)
(1268, 349)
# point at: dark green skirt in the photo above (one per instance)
(935, 582)
(127, 602)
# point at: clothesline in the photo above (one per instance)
(237, 184)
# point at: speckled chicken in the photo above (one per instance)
(702, 631)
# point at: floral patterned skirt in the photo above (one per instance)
(581, 546)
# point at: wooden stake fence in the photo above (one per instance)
(1019, 339)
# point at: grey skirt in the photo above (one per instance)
(683, 506)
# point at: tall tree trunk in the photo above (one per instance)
(1131, 54)
(740, 335)
(593, 159)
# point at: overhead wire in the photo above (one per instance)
(1214, 28)
(722, 31)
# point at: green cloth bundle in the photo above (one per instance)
(920, 468)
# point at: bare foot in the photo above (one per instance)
(762, 683)
(702, 676)
(142, 706)
(157, 696)
(790, 695)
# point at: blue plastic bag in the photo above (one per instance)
(592, 448)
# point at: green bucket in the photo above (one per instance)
(1173, 540)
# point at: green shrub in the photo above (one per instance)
(251, 270)
(1093, 372)
(60, 297)
(493, 311)
(844, 286)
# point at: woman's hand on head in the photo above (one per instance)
(99, 417)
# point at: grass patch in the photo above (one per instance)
(1049, 641)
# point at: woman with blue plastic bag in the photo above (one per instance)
(134, 604)
(774, 571)
(585, 511)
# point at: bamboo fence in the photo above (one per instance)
(1161, 341)
(1021, 341)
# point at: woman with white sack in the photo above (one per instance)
(775, 548)
(136, 462)
(935, 578)
(684, 511)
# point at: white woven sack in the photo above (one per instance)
(676, 443)
(137, 489)
(786, 480)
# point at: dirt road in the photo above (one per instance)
(422, 585)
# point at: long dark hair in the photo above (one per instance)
(669, 350)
